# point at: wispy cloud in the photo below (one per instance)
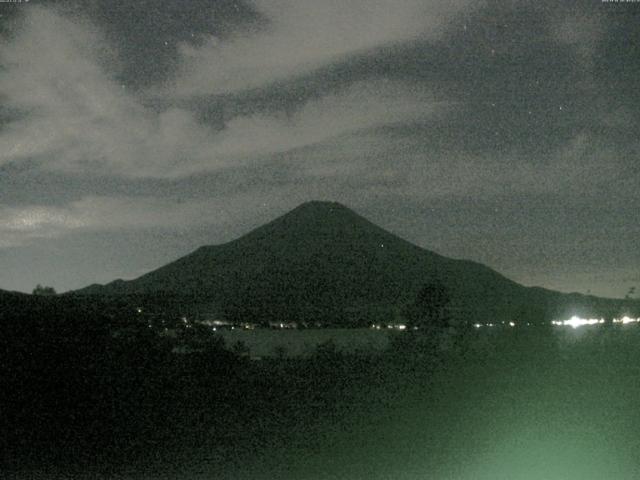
(360, 107)
(409, 166)
(29, 223)
(583, 33)
(78, 118)
(573, 169)
(301, 35)
(19, 225)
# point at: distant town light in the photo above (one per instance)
(575, 321)
(626, 320)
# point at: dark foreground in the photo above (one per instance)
(511, 404)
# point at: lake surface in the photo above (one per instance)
(266, 342)
(295, 343)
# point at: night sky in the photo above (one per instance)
(132, 132)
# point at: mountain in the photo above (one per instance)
(324, 262)
(6, 295)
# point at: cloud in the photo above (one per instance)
(409, 166)
(583, 33)
(228, 211)
(77, 118)
(302, 35)
(19, 225)
(360, 107)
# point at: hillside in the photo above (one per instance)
(324, 262)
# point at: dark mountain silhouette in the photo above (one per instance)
(323, 262)
(9, 296)
(6, 293)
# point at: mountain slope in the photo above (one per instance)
(323, 262)
(6, 295)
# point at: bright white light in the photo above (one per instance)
(624, 320)
(575, 322)
(512, 324)
(477, 325)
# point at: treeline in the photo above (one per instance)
(78, 393)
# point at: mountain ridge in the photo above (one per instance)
(324, 262)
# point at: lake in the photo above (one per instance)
(266, 342)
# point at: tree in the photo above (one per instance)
(44, 291)
(241, 349)
(429, 311)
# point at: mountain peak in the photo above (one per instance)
(325, 203)
(318, 206)
(315, 217)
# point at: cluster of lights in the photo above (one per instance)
(575, 321)
(480, 325)
(391, 326)
(624, 320)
